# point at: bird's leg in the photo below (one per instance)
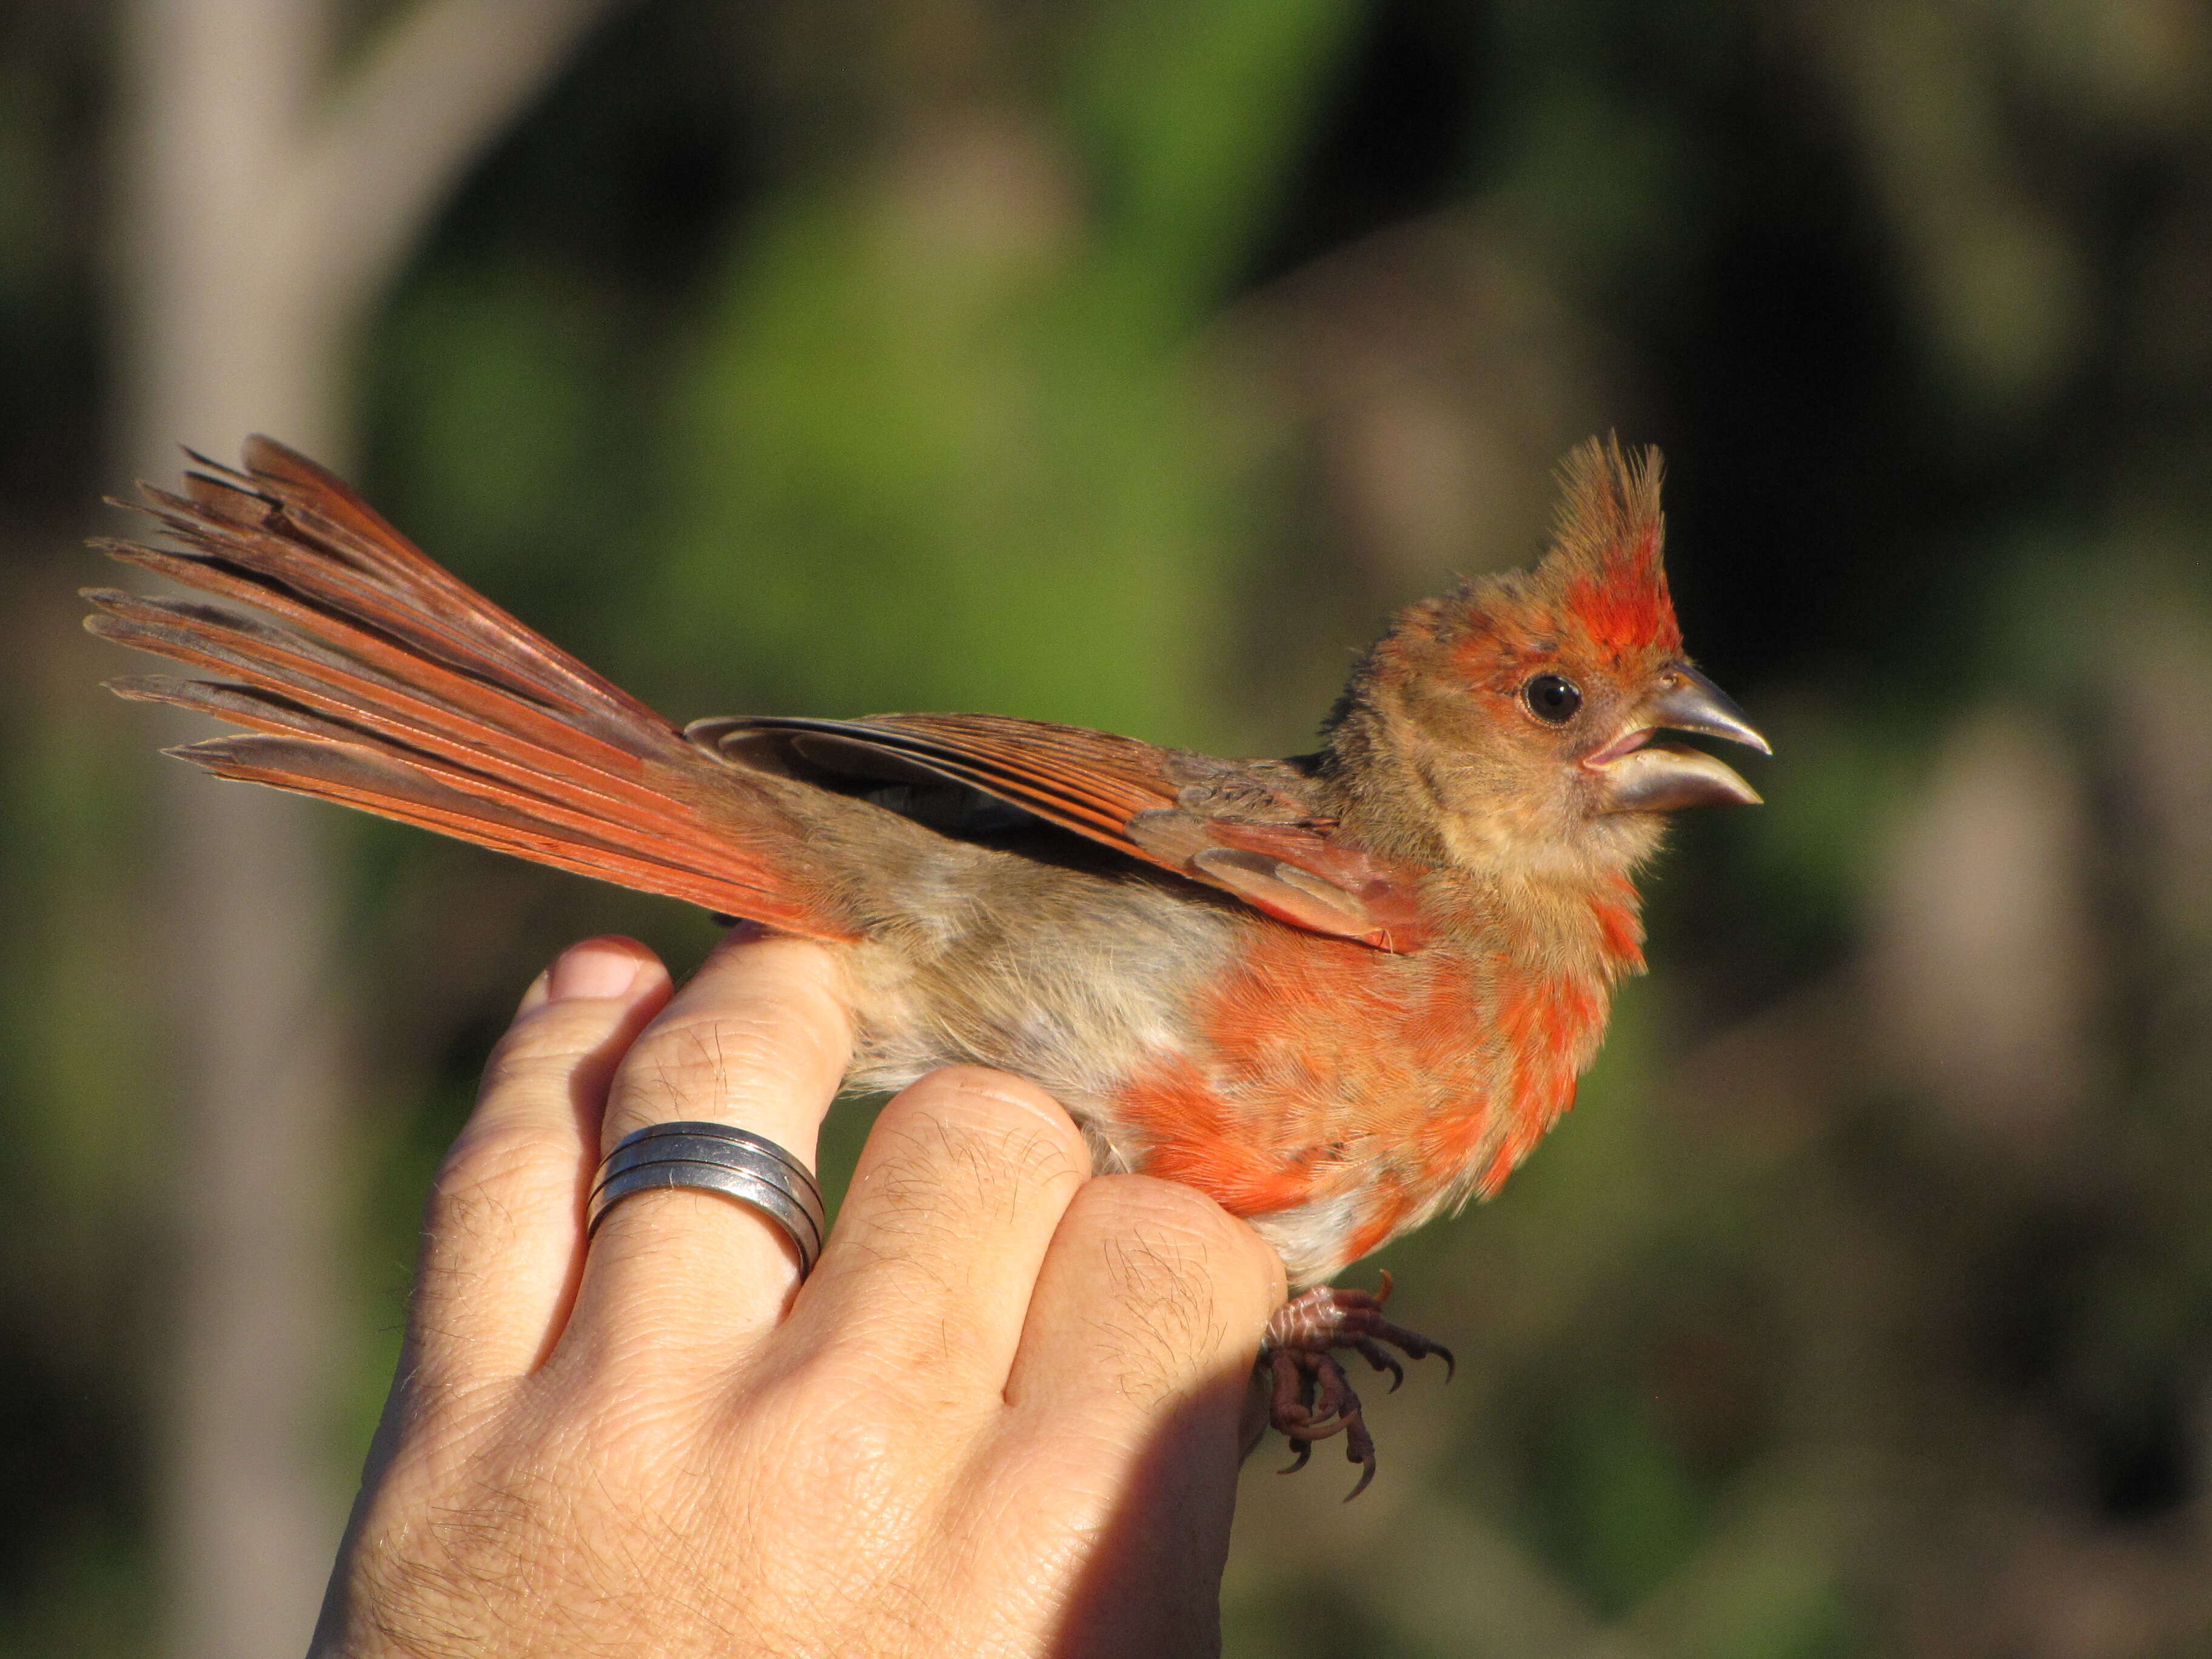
(1310, 1396)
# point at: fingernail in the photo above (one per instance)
(536, 996)
(597, 967)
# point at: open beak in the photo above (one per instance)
(1645, 775)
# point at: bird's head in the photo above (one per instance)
(1520, 715)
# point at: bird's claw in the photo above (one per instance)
(1311, 1397)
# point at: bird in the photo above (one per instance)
(1339, 993)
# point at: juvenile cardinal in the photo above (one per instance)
(1337, 993)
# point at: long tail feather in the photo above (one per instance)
(385, 683)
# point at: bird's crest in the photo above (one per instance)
(1598, 591)
(1605, 565)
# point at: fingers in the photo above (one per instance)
(758, 1039)
(1151, 1294)
(972, 1249)
(1122, 1413)
(502, 1247)
(950, 1213)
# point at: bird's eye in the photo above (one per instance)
(1552, 699)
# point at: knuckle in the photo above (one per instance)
(543, 1068)
(1165, 1210)
(942, 1165)
(525, 1064)
(477, 1208)
(550, 1038)
(984, 1099)
(488, 1171)
(1213, 1239)
(1179, 1275)
(491, 1191)
(708, 1055)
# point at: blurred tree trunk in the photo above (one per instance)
(265, 205)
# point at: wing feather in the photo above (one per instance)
(1138, 798)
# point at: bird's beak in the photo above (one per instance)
(1642, 776)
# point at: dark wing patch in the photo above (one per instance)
(1239, 827)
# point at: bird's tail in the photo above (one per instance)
(381, 681)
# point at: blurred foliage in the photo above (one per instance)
(1122, 364)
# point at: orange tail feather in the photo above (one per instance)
(387, 684)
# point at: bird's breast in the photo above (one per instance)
(1336, 1095)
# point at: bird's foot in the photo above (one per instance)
(1312, 1397)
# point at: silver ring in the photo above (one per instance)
(717, 1158)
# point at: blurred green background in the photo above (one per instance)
(1125, 364)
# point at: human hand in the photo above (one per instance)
(1001, 1417)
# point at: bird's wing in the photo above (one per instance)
(1240, 827)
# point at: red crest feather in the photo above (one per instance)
(1607, 547)
(1599, 590)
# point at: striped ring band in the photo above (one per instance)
(718, 1158)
